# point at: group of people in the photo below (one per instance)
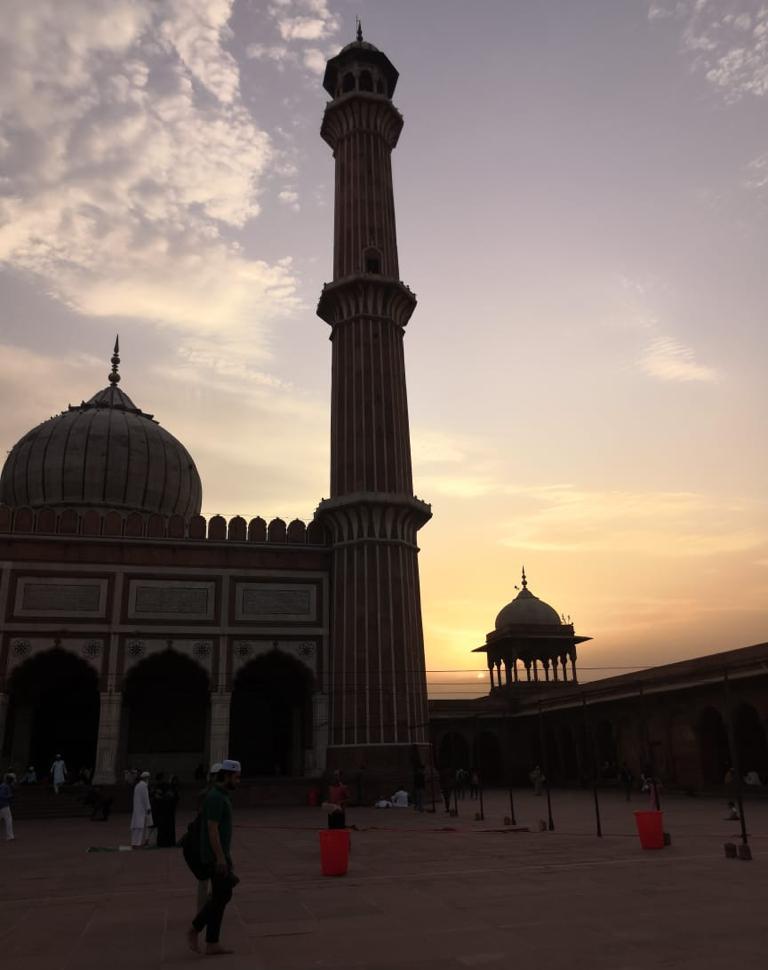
(153, 819)
(455, 783)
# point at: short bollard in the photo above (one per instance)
(507, 820)
(730, 850)
(744, 853)
(667, 839)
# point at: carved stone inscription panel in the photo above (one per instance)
(270, 601)
(60, 597)
(164, 599)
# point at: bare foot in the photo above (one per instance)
(192, 940)
(216, 950)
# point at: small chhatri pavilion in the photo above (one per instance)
(530, 632)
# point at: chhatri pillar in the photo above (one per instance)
(378, 711)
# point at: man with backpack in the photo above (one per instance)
(215, 860)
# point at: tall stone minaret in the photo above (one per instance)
(378, 716)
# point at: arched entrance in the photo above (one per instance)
(749, 736)
(488, 760)
(165, 714)
(271, 716)
(713, 746)
(54, 709)
(453, 751)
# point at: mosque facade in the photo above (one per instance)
(134, 631)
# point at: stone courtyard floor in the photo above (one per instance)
(416, 896)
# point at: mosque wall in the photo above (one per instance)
(688, 731)
(117, 591)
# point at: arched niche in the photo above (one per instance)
(271, 715)
(165, 713)
(453, 751)
(488, 759)
(713, 747)
(53, 709)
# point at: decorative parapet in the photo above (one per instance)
(115, 523)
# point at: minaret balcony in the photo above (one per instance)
(366, 295)
(358, 112)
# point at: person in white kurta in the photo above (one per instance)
(58, 773)
(141, 819)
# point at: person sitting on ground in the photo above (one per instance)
(382, 802)
(733, 813)
(400, 798)
(338, 796)
(752, 778)
(29, 777)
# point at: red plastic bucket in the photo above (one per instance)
(650, 828)
(334, 851)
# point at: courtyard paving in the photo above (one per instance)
(417, 896)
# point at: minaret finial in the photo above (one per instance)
(114, 377)
(525, 581)
(359, 29)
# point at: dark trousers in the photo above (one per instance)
(212, 913)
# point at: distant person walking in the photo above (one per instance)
(58, 773)
(447, 778)
(141, 820)
(627, 780)
(474, 784)
(215, 850)
(419, 786)
(537, 780)
(6, 797)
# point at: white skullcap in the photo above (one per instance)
(229, 765)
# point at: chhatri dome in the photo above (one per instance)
(529, 635)
(527, 610)
(104, 452)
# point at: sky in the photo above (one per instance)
(582, 206)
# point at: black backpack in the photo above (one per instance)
(190, 847)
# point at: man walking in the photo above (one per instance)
(141, 819)
(215, 852)
(6, 797)
(58, 773)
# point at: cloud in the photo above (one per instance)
(656, 524)
(667, 360)
(726, 40)
(129, 163)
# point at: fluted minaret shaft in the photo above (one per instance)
(378, 688)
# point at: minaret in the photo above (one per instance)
(378, 681)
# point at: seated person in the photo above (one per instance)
(752, 778)
(382, 802)
(400, 799)
(30, 776)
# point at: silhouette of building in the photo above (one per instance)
(136, 632)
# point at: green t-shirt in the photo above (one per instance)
(216, 808)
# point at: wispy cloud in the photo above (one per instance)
(668, 360)
(727, 41)
(129, 163)
(301, 26)
(653, 523)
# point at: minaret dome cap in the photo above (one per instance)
(359, 53)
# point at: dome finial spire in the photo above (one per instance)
(525, 581)
(359, 30)
(114, 377)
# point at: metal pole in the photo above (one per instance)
(735, 759)
(455, 801)
(511, 803)
(590, 743)
(482, 812)
(545, 762)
